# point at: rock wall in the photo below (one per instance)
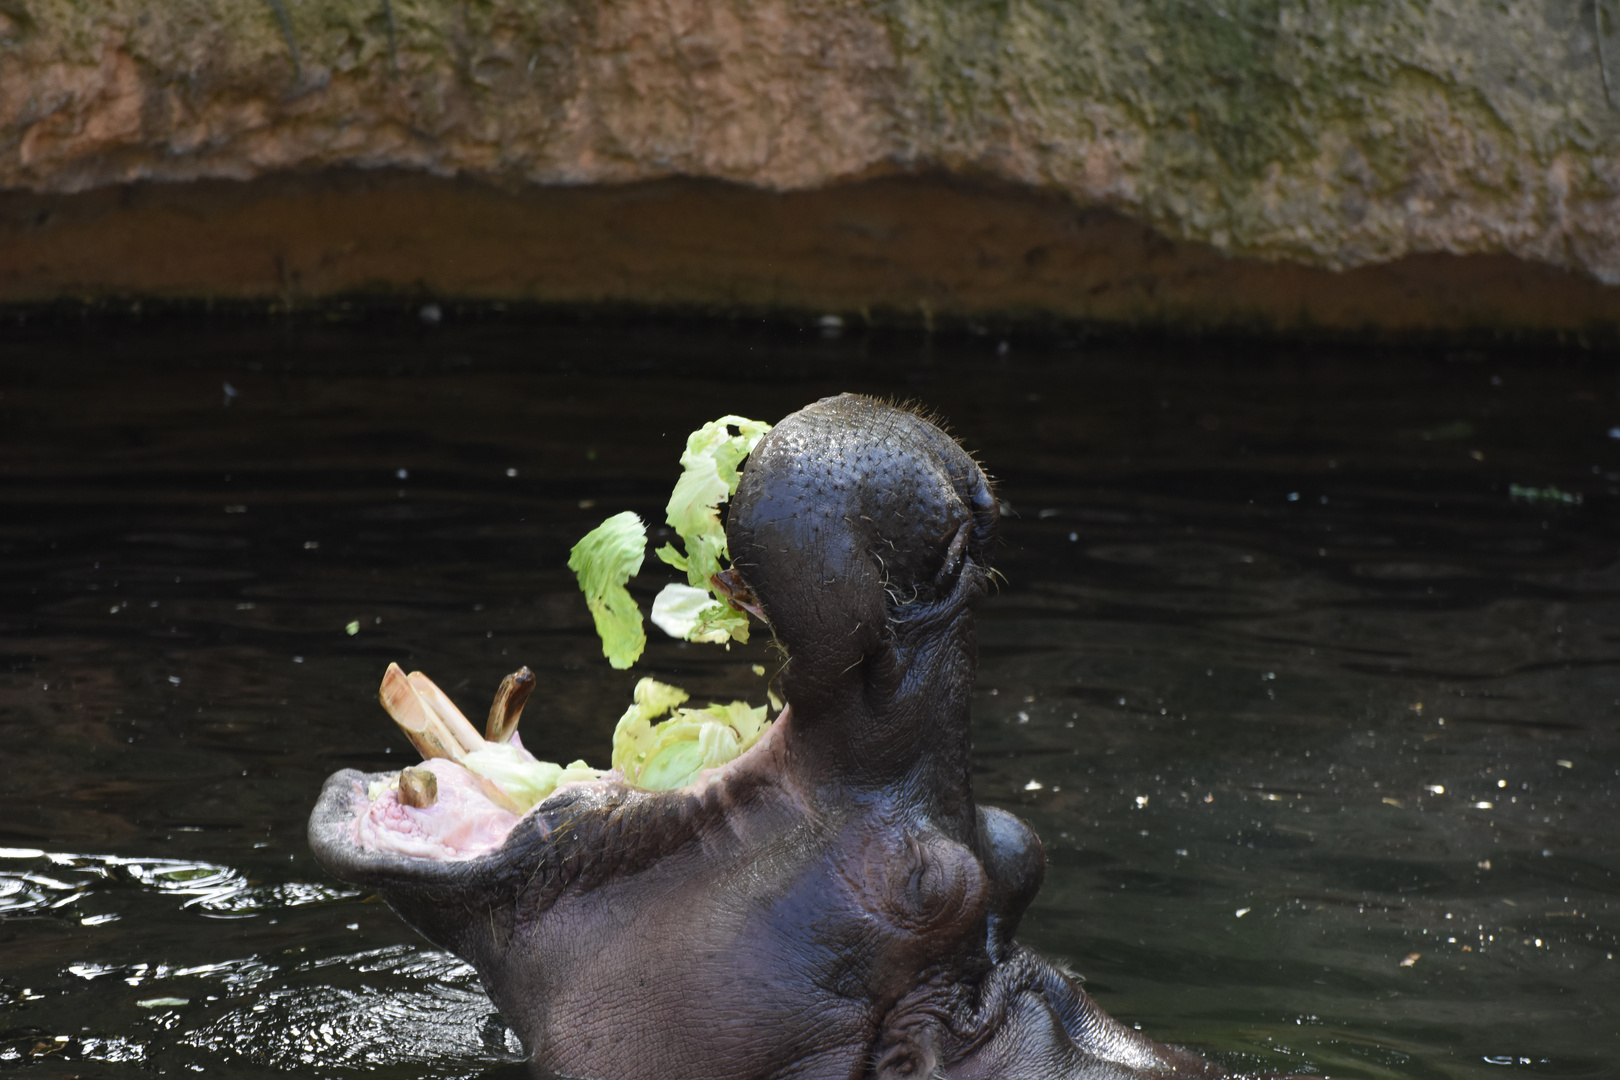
(1320, 133)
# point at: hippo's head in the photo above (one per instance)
(832, 902)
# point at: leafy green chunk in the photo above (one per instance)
(709, 477)
(526, 780)
(694, 614)
(603, 560)
(670, 754)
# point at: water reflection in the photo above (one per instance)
(431, 995)
(287, 1008)
(1312, 705)
(34, 882)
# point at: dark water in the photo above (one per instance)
(1302, 665)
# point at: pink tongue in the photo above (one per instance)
(461, 824)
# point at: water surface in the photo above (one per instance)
(1304, 666)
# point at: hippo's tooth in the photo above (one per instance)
(456, 723)
(507, 707)
(418, 787)
(729, 584)
(428, 719)
(420, 724)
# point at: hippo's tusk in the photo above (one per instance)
(454, 721)
(436, 728)
(420, 723)
(418, 787)
(507, 707)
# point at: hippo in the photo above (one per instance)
(831, 903)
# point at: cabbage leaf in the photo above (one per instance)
(603, 560)
(670, 754)
(710, 475)
(526, 780)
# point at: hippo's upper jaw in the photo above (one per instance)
(832, 903)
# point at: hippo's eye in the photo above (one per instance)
(955, 554)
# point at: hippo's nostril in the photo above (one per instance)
(986, 514)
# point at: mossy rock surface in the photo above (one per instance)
(1329, 133)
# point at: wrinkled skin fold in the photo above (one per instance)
(831, 904)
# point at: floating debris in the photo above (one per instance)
(1455, 431)
(1411, 958)
(1547, 495)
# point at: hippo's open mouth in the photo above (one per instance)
(470, 790)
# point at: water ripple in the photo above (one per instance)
(27, 888)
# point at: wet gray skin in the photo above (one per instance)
(832, 904)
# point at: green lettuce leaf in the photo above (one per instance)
(633, 736)
(681, 611)
(520, 776)
(668, 755)
(603, 560)
(709, 477)
(654, 757)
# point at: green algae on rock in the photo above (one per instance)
(1327, 133)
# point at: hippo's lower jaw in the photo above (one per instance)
(832, 903)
